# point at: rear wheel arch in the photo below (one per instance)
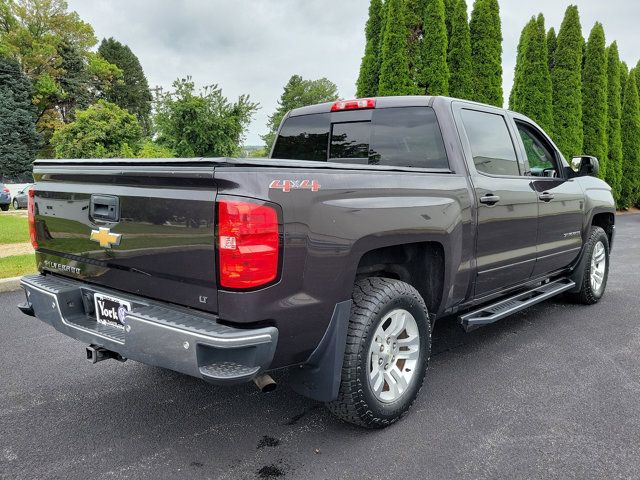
(421, 265)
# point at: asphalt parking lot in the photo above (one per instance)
(552, 392)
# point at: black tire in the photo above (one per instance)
(373, 298)
(15, 204)
(4, 207)
(587, 294)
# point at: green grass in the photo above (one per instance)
(13, 229)
(17, 265)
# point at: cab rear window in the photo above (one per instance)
(404, 137)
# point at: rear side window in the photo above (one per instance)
(491, 144)
(403, 137)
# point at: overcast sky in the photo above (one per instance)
(254, 46)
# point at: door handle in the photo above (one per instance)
(490, 199)
(546, 196)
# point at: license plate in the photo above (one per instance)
(111, 311)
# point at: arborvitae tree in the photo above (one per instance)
(594, 98)
(434, 72)
(414, 20)
(18, 138)
(552, 44)
(566, 78)
(624, 75)
(449, 7)
(518, 78)
(614, 138)
(459, 57)
(533, 97)
(486, 52)
(629, 185)
(367, 84)
(132, 93)
(394, 67)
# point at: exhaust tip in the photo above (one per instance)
(265, 383)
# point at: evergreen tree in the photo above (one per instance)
(486, 52)
(414, 19)
(434, 71)
(367, 84)
(614, 138)
(132, 93)
(566, 78)
(18, 137)
(552, 44)
(449, 9)
(534, 95)
(394, 68)
(518, 78)
(594, 98)
(624, 74)
(629, 186)
(459, 57)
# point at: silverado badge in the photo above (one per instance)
(105, 238)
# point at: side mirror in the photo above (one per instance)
(585, 166)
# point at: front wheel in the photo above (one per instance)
(387, 353)
(596, 268)
(15, 204)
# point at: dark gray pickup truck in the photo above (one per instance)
(372, 219)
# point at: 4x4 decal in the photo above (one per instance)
(288, 185)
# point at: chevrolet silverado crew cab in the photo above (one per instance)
(333, 258)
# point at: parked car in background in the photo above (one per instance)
(5, 197)
(20, 198)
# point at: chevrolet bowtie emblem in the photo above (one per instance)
(105, 238)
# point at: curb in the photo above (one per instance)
(9, 284)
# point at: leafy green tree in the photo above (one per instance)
(104, 130)
(630, 182)
(203, 124)
(486, 52)
(395, 78)
(533, 88)
(18, 138)
(53, 48)
(297, 93)
(132, 93)
(459, 56)
(614, 133)
(594, 98)
(552, 44)
(433, 77)
(150, 149)
(566, 78)
(518, 78)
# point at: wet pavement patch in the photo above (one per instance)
(267, 441)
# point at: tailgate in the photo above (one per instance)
(144, 227)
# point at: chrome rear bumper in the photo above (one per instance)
(157, 334)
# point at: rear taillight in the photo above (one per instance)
(357, 104)
(31, 210)
(6, 190)
(248, 244)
